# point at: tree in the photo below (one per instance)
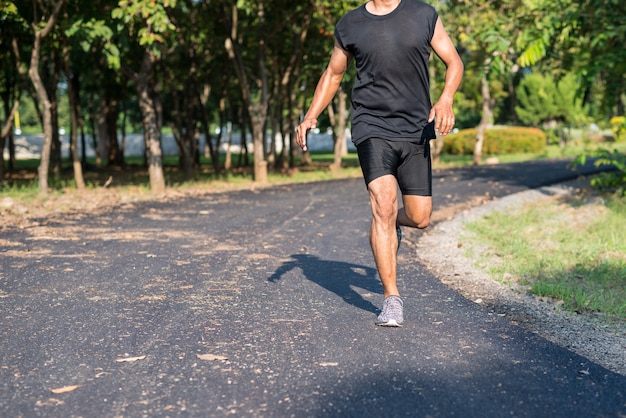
(148, 24)
(487, 31)
(40, 32)
(543, 100)
(82, 33)
(338, 110)
(254, 84)
(11, 76)
(584, 37)
(291, 28)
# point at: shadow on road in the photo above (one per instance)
(528, 174)
(336, 276)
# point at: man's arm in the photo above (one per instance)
(442, 110)
(324, 92)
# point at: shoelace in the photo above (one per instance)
(393, 308)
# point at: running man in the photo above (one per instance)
(393, 119)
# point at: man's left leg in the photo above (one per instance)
(416, 211)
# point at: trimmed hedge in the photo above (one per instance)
(498, 141)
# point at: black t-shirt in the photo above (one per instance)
(391, 95)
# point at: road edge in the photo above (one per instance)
(440, 250)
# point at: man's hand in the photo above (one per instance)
(443, 115)
(305, 126)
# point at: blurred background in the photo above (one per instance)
(98, 84)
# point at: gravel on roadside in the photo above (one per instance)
(600, 339)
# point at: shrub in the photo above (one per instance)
(612, 180)
(618, 126)
(544, 100)
(498, 141)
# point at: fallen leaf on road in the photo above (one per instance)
(329, 364)
(64, 389)
(211, 357)
(151, 298)
(50, 402)
(129, 359)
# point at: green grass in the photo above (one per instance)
(571, 250)
(23, 184)
(572, 150)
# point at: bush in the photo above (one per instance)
(612, 180)
(498, 141)
(618, 126)
(544, 100)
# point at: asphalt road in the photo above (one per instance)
(262, 303)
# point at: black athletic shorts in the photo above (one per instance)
(408, 162)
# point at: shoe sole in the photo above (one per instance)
(390, 323)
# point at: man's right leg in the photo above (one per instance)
(383, 239)
(379, 161)
(384, 243)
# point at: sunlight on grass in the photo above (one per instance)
(551, 152)
(568, 249)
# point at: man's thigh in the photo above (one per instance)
(384, 195)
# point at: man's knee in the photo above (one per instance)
(422, 222)
(384, 198)
(418, 210)
(384, 212)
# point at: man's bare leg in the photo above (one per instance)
(416, 211)
(385, 217)
(383, 240)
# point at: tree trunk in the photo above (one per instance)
(257, 108)
(74, 117)
(183, 133)
(55, 149)
(257, 122)
(204, 121)
(486, 120)
(243, 153)
(115, 156)
(184, 152)
(338, 122)
(6, 132)
(123, 133)
(42, 94)
(93, 121)
(228, 162)
(150, 121)
(436, 145)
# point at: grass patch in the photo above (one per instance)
(22, 183)
(568, 249)
(572, 150)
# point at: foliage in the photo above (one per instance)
(92, 31)
(607, 180)
(149, 20)
(508, 42)
(543, 99)
(501, 140)
(618, 126)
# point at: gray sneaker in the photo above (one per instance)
(391, 315)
